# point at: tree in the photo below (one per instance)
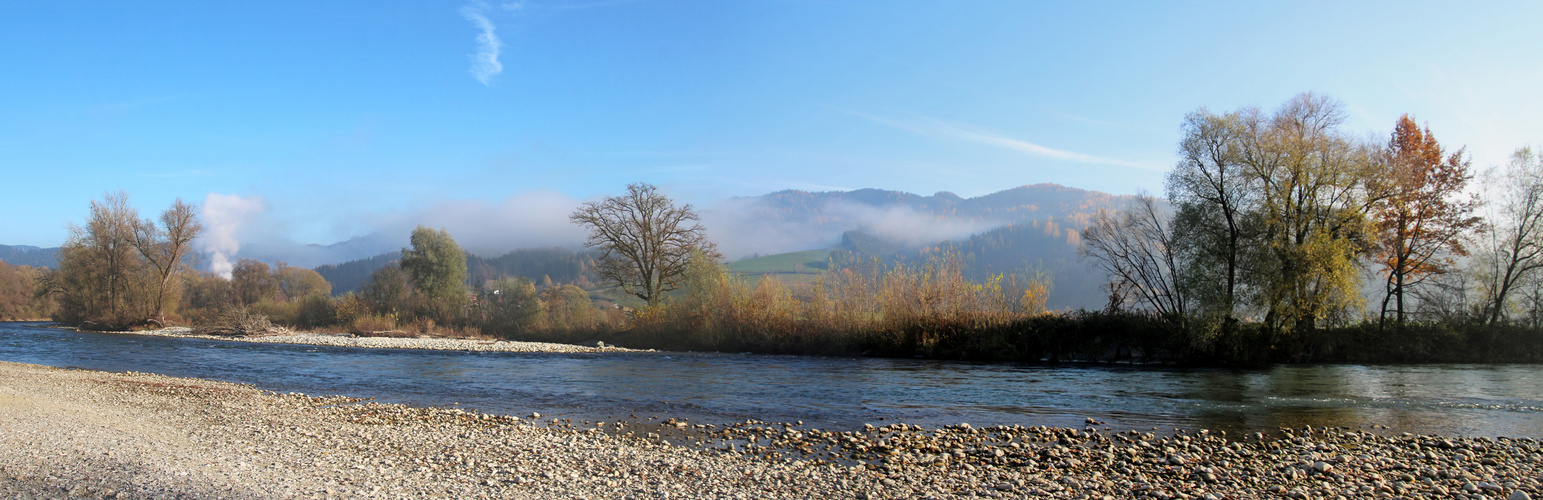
(168, 246)
(1136, 247)
(644, 239)
(1419, 223)
(511, 307)
(1313, 193)
(297, 283)
(100, 279)
(253, 281)
(437, 266)
(387, 290)
(1514, 246)
(1211, 191)
(19, 300)
(567, 307)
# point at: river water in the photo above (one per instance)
(1457, 400)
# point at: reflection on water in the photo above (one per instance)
(1469, 400)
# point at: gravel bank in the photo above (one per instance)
(93, 434)
(344, 340)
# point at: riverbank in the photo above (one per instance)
(345, 340)
(129, 435)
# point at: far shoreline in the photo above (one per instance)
(348, 340)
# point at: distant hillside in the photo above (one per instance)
(349, 276)
(539, 265)
(367, 247)
(24, 255)
(1035, 248)
(808, 261)
(558, 265)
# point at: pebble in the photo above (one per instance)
(206, 439)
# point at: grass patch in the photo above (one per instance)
(805, 262)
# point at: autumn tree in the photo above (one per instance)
(253, 281)
(1420, 221)
(167, 247)
(19, 300)
(1313, 191)
(510, 307)
(207, 291)
(437, 266)
(297, 283)
(566, 307)
(644, 239)
(1513, 244)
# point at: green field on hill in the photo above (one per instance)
(805, 262)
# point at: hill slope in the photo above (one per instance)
(23, 255)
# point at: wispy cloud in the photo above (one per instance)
(932, 127)
(484, 63)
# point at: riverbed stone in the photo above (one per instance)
(204, 439)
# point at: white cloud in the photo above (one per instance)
(937, 128)
(484, 63)
(223, 217)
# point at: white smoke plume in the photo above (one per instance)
(223, 216)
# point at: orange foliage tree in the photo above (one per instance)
(1421, 221)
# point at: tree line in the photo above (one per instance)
(1280, 238)
(1277, 226)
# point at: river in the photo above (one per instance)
(1456, 400)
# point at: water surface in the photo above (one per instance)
(1460, 400)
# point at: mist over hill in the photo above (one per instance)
(788, 221)
(1024, 230)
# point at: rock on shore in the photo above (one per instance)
(77, 433)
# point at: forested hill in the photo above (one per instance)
(23, 255)
(348, 276)
(539, 265)
(1027, 249)
(542, 266)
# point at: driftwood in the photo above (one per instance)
(237, 322)
(389, 333)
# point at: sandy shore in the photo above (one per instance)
(78, 433)
(343, 340)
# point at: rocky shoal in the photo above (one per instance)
(346, 340)
(88, 434)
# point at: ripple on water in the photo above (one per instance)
(1480, 400)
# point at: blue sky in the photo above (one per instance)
(319, 121)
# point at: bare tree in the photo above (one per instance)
(167, 246)
(1514, 246)
(1136, 247)
(644, 239)
(99, 277)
